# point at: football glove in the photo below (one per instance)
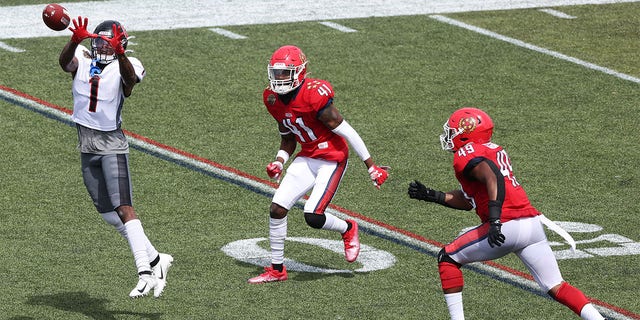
(119, 37)
(79, 30)
(495, 236)
(418, 191)
(378, 175)
(274, 170)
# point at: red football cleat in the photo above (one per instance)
(351, 242)
(270, 275)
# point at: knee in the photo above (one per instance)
(315, 221)
(444, 257)
(277, 212)
(451, 277)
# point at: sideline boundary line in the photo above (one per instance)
(267, 188)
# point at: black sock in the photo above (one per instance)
(349, 225)
(277, 266)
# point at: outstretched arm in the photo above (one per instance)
(68, 62)
(454, 199)
(332, 118)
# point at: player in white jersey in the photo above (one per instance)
(102, 79)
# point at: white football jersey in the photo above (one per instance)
(98, 100)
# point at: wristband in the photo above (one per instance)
(440, 197)
(283, 154)
(495, 210)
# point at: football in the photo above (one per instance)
(55, 17)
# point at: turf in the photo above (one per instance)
(570, 131)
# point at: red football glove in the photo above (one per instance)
(378, 175)
(80, 31)
(274, 170)
(118, 39)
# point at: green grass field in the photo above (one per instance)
(571, 132)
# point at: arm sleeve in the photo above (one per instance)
(346, 131)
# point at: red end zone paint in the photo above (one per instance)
(6, 92)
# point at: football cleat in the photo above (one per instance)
(160, 271)
(146, 282)
(270, 275)
(351, 242)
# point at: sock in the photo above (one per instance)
(113, 219)
(152, 253)
(334, 223)
(454, 304)
(571, 297)
(589, 312)
(277, 234)
(277, 266)
(137, 243)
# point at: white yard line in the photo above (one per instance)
(337, 26)
(535, 48)
(9, 48)
(557, 13)
(227, 33)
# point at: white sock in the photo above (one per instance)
(152, 253)
(137, 243)
(589, 312)
(454, 303)
(334, 223)
(277, 234)
(113, 219)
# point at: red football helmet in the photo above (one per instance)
(466, 125)
(287, 69)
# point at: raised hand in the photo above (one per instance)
(118, 40)
(79, 30)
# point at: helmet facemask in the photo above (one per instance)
(446, 138)
(284, 79)
(464, 126)
(101, 50)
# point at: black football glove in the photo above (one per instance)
(495, 236)
(418, 191)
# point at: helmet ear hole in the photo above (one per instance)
(471, 125)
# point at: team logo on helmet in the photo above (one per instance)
(468, 124)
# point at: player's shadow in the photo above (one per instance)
(82, 302)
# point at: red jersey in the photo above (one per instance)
(516, 203)
(300, 116)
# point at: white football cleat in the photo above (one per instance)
(160, 272)
(146, 282)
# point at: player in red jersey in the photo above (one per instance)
(509, 222)
(304, 110)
